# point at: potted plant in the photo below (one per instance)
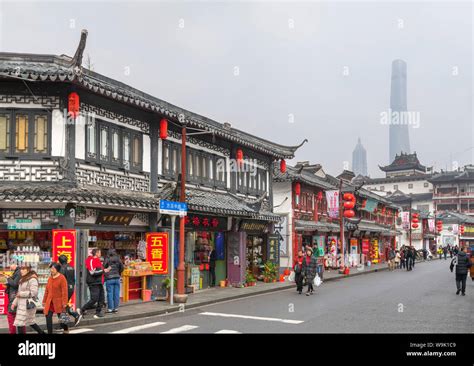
(270, 272)
(167, 285)
(250, 280)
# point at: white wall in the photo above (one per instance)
(58, 134)
(81, 138)
(146, 153)
(282, 191)
(418, 186)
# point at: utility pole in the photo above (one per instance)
(341, 223)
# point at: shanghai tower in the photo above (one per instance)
(398, 133)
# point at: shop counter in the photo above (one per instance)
(128, 279)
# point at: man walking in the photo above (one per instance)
(95, 281)
(409, 257)
(462, 264)
(391, 259)
(413, 259)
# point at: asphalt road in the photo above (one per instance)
(421, 301)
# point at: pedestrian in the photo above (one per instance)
(112, 280)
(68, 272)
(310, 266)
(462, 264)
(456, 250)
(445, 252)
(391, 256)
(402, 258)
(95, 282)
(409, 258)
(24, 302)
(472, 267)
(298, 268)
(440, 253)
(11, 290)
(212, 266)
(451, 251)
(425, 254)
(414, 255)
(55, 300)
(397, 259)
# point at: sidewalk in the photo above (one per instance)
(204, 297)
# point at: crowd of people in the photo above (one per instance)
(22, 292)
(404, 258)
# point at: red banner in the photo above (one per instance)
(64, 243)
(3, 300)
(365, 246)
(157, 252)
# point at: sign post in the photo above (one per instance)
(173, 209)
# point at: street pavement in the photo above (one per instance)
(420, 301)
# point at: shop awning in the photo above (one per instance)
(303, 225)
(60, 193)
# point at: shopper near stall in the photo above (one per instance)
(95, 282)
(55, 300)
(413, 256)
(298, 268)
(24, 302)
(462, 263)
(409, 259)
(310, 266)
(68, 272)
(212, 266)
(13, 282)
(397, 259)
(112, 280)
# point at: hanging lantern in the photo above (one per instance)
(349, 205)
(383, 211)
(73, 104)
(163, 129)
(348, 197)
(240, 155)
(298, 189)
(283, 166)
(320, 196)
(414, 226)
(461, 229)
(349, 214)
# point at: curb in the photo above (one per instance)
(114, 319)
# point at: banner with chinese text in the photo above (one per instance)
(157, 252)
(64, 243)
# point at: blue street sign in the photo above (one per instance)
(173, 207)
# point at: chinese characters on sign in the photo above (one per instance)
(273, 249)
(157, 252)
(107, 218)
(332, 198)
(3, 300)
(64, 243)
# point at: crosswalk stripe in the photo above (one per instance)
(227, 331)
(287, 321)
(80, 330)
(182, 329)
(137, 328)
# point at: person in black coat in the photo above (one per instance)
(113, 272)
(409, 259)
(462, 263)
(212, 266)
(68, 272)
(310, 267)
(298, 268)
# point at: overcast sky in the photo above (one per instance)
(283, 71)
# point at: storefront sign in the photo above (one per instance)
(332, 198)
(195, 276)
(455, 229)
(374, 253)
(173, 207)
(59, 212)
(253, 226)
(201, 222)
(365, 246)
(157, 252)
(273, 249)
(406, 219)
(3, 300)
(24, 224)
(64, 243)
(354, 246)
(431, 225)
(113, 218)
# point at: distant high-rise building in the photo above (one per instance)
(399, 138)
(359, 160)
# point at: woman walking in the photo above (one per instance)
(55, 298)
(112, 280)
(24, 301)
(298, 268)
(397, 259)
(309, 269)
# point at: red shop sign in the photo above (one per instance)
(64, 243)
(157, 252)
(3, 299)
(365, 246)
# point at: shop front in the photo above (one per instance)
(260, 247)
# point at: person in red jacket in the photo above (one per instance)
(95, 281)
(298, 268)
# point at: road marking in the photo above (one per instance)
(81, 330)
(227, 331)
(182, 329)
(288, 321)
(137, 328)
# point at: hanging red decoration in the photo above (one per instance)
(461, 229)
(383, 211)
(240, 155)
(414, 226)
(320, 196)
(283, 166)
(349, 214)
(349, 205)
(298, 189)
(73, 104)
(348, 197)
(163, 129)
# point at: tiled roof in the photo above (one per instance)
(404, 162)
(83, 195)
(304, 225)
(294, 174)
(457, 176)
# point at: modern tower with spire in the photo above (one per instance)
(359, 160)
(399, 140)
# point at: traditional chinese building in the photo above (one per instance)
(81, 151)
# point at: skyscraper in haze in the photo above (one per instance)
(359, 160)
(398, 133)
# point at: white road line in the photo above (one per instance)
(182, 329)
(227, 331)
(137, 328)
(81, 330)
(288, 321)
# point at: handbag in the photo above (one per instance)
(64, 318)
(32, 303)
(291, 277)
(317, 281)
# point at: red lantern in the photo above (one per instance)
(349, 214)
(240, 155)
(163, 129)
(348, 197)
(383, 211)
(73, 104)
(349, 205)
(320, 196)
(298, 189)
(415, 221)
(283, 166)
(461, 229)
(414, 226)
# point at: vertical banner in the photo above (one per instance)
(365, 246)
(64, 243)
(406, 220)
(3, 299)
(157, 252)
(431, 225)
(273, 249)
(332, 198)
(455, 229)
